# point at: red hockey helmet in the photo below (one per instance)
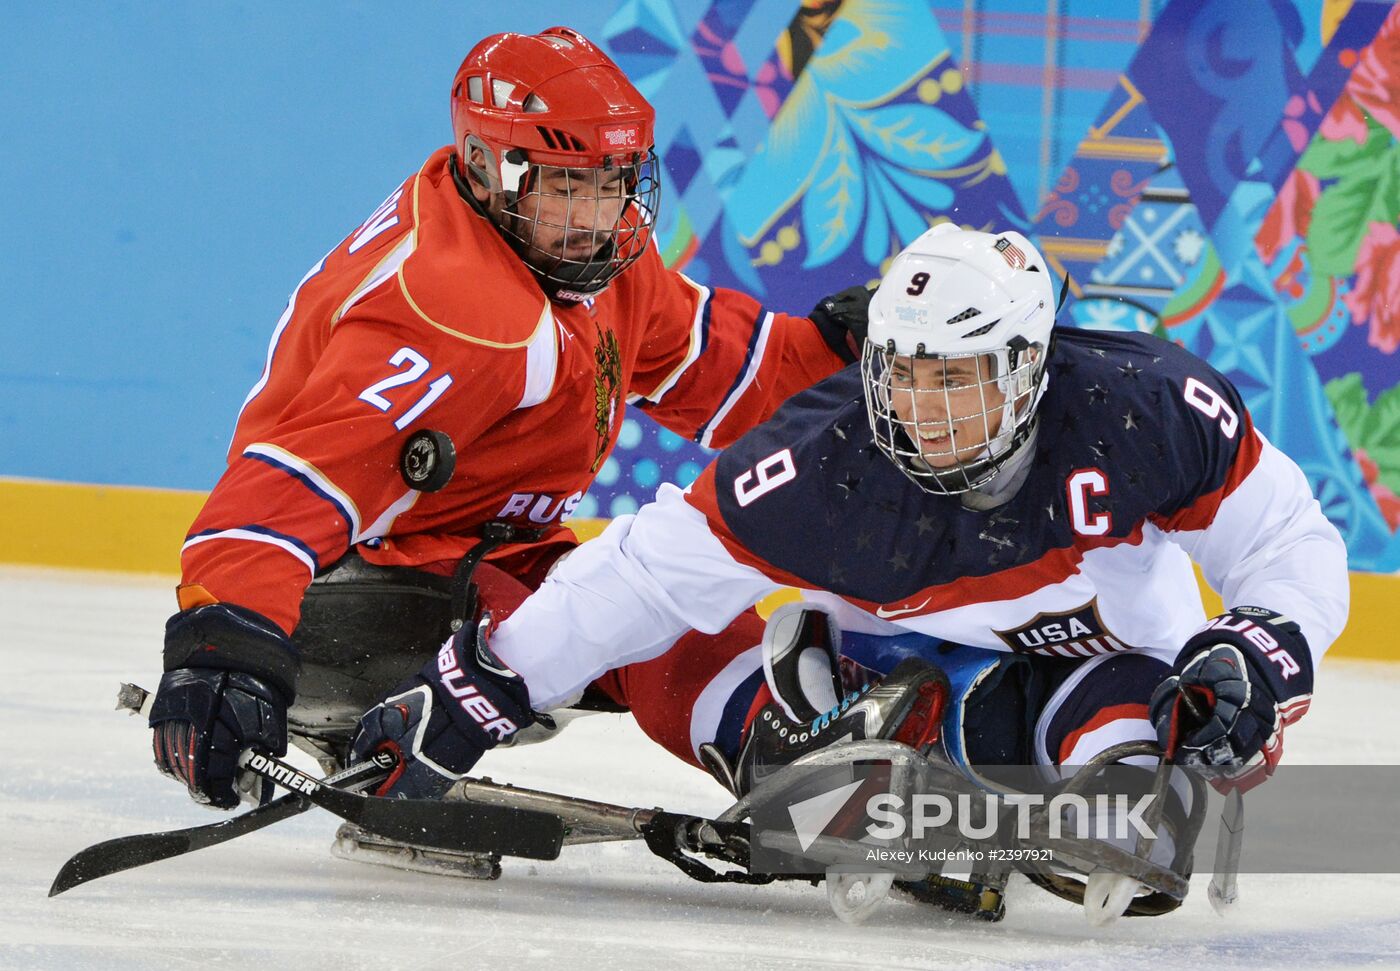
(554, 100)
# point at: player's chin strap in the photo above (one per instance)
(464, 189)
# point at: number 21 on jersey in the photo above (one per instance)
(417, 366)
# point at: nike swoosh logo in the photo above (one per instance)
(885, 614)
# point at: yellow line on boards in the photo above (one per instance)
(133, 529)
(89, 527)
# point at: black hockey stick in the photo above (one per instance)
(456, 826)
(128, 852)
(460, 827)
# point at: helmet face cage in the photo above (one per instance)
(992, 403)
(559, 226)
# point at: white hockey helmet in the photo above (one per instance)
(956, 295)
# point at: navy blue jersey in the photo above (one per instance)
(1144, 459)
(1115, 402)
(1138, 446)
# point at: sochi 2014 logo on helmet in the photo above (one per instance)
(621, 137)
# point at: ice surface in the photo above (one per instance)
(79, 772)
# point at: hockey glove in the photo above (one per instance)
(440, 722)
(843, 321)
(1237, 683)
(230, 675)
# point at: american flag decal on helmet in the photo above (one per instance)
(1010, 252)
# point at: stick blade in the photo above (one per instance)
(116, 855)
(128, 852)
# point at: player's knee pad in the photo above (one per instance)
(1091, 705)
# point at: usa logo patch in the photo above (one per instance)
(1079, 632)
(1013, 254)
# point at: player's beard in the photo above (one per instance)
(560, 271)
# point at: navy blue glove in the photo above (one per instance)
(1237, 683)
(843, 320)
(440, 722)
(230, 675)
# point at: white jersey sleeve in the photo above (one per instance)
(1269, 545)
(626, 597)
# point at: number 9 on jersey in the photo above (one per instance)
(774, 471)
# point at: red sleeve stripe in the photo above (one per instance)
(1201, 513)
(1058, 565)
(1054, 567)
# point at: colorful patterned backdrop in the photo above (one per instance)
(1224, 174)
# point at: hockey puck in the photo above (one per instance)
(427, 460)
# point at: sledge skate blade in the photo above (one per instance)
(853, 897)
(1222, 899)
(1107, 896)
(357, 846)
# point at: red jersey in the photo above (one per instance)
(424, 318)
